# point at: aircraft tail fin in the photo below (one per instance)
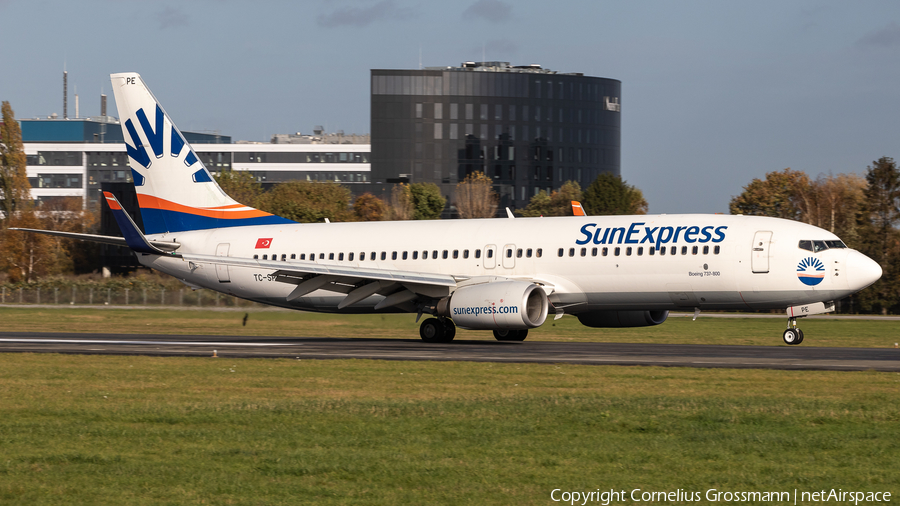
(577, 209)
(175, 190)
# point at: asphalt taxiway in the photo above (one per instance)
(647, 354)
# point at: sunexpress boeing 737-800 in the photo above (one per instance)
(503, 275)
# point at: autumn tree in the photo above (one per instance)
(308, 201)
(25, 256)
(428, 203)
(402, 206)
(558, 203)
(475, 197)
(368, 207)
(241, 186)
(610, 195)
(782, 194)
(14, 188)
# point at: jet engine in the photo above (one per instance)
(498, 305)
(618, 319)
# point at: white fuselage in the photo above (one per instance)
(585, 263)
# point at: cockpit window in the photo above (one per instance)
(819, 246)
(807, 245)
(836, 244)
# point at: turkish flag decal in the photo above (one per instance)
(263, 243)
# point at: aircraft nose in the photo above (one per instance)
(862, 270)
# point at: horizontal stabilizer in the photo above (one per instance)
(133, 235)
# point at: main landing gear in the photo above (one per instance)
(510, 335)
(792, 335)
(437, 330)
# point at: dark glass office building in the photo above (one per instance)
(527, 128)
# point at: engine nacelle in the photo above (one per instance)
(618, 319)
(498, 305)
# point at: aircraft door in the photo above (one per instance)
(490, 259)
(759, 261)
(509, 256)
(222, 270)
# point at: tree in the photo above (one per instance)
(241, 186)
(558, 203)
(24, 256)
(67, 214)
(14, 188)
(428, 203)
(368, 207)
(402, 206)
(475, 197)
(784, 194)
(308, 201)
(879, 238)
(609, 194)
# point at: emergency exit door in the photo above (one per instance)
(222, 270)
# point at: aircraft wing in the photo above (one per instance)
(102, 239)
(357, 282)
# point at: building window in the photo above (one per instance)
(438, 111)
(438, 131)
(418, 110)
(470, 111)
(454, 111)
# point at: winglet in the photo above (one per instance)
(510, 213)
(133, 236)
(577, 210)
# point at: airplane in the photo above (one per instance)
(504, 275)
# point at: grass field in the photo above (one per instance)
(681, 329)
(146, 430)
(152, 430)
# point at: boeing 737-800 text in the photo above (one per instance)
(503, 275)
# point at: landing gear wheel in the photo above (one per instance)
(434, 330)
(510, 335)
(791, 337)
(799, 335)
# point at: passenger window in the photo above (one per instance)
(302, 256)
(455, 254)
(404, 255)
(372, 256)
(684, 250)
(331, 256)
(617, 250)
(694, 250)
(640, 250)
(384, 255)
(478, 253)
(584, 252)
(593, 252)
(425, 255)
(571, 252)
(519, 253)
(341, 257)
(508, 252)
(674, 250)
(628, 251)
(605, 251)
(394, 255)
(321, 256)
(490, 253)
(434, 254)
(444, 254)
(265, 257)
(528, 253)
(662, 251)
(652, 250)
(807, 245)
(350, 257)
(706, 250)
(465, 253)
(293, 256)
(560, 252)
(716, 250)
(256, 257)
(539, 252)
(415, 255)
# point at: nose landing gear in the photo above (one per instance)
(792, 335)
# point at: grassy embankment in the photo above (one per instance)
(680, 330)
(149, 430)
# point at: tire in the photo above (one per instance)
(791, 337)
(432, 331)
(510, 335)
(800, 335)
(449, 331)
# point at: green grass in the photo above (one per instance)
(147, 430)
(677, 329)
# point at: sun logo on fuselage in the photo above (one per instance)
(811, 271)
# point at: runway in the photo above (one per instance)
(673, 355)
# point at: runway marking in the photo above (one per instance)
(176, 343)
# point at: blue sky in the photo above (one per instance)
(713, 93)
